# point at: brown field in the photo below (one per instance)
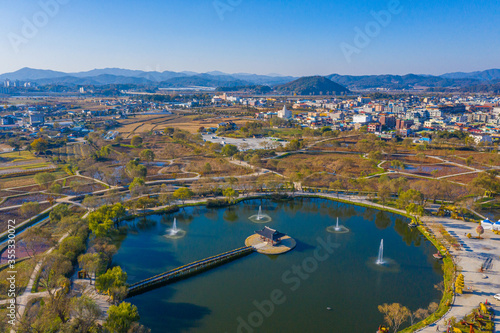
(485, 159)
(350, 165)
(465, 179)
(24, 181)
(220, 167)
(25, 198)
(14, 214)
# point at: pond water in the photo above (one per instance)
(312, 290)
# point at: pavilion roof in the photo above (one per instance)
(270, 234)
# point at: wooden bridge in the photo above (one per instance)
(186, 271)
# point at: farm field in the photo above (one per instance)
(25, 183)
(73, 152)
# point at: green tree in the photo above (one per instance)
(487, 182)
(229, 150)
(44, 179)
(375, 155)
(294, 145)
(29, 209)
(410, 196)
(113, 278)
(145, 202)
(71, 246)
(59, 212)
(105, 151)
(55, 188)
(85, 312)
(90, 262)
(230, 193)
(136, 141)
(183, 194)
(207, 169)
(147, 155)
(121, 317)
(137, 185)
(136, 170)
(101, 221)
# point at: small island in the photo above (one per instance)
(270, 241)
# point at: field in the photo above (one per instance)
(22, 181)
(220, 167)
(21, 161)
(141, 124)
(464, 179)
(485, 159)
(14, 214)
(350, 165)
(25, 198)
(73, 152)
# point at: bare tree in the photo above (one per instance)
(394, 314)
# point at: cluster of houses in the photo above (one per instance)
(477, 116)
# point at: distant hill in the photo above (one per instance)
(100, 80)
(107, 76)
(31, 74)
(488, 75)
(398, 82)
(312, 85)
(203, 80)
(486, 81)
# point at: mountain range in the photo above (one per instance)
(169, 79)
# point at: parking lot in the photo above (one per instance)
(244, 144)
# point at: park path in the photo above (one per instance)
(22, 301)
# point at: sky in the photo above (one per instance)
(292, 37)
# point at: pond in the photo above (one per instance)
(328, 283)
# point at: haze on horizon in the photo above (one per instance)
(260, 37)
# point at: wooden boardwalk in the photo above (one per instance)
(186, 271)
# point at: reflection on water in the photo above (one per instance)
(215, 300)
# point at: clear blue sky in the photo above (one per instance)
(258, 36)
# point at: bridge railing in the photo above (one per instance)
(187, 269)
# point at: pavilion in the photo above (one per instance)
(270, 235)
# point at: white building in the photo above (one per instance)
(482, 138)
(285, 113)
(361, 118)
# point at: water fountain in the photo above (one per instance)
(383, 264)
(259, 214)
(337, 229)
(380, 258)
(174, 232)
(260, 217)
